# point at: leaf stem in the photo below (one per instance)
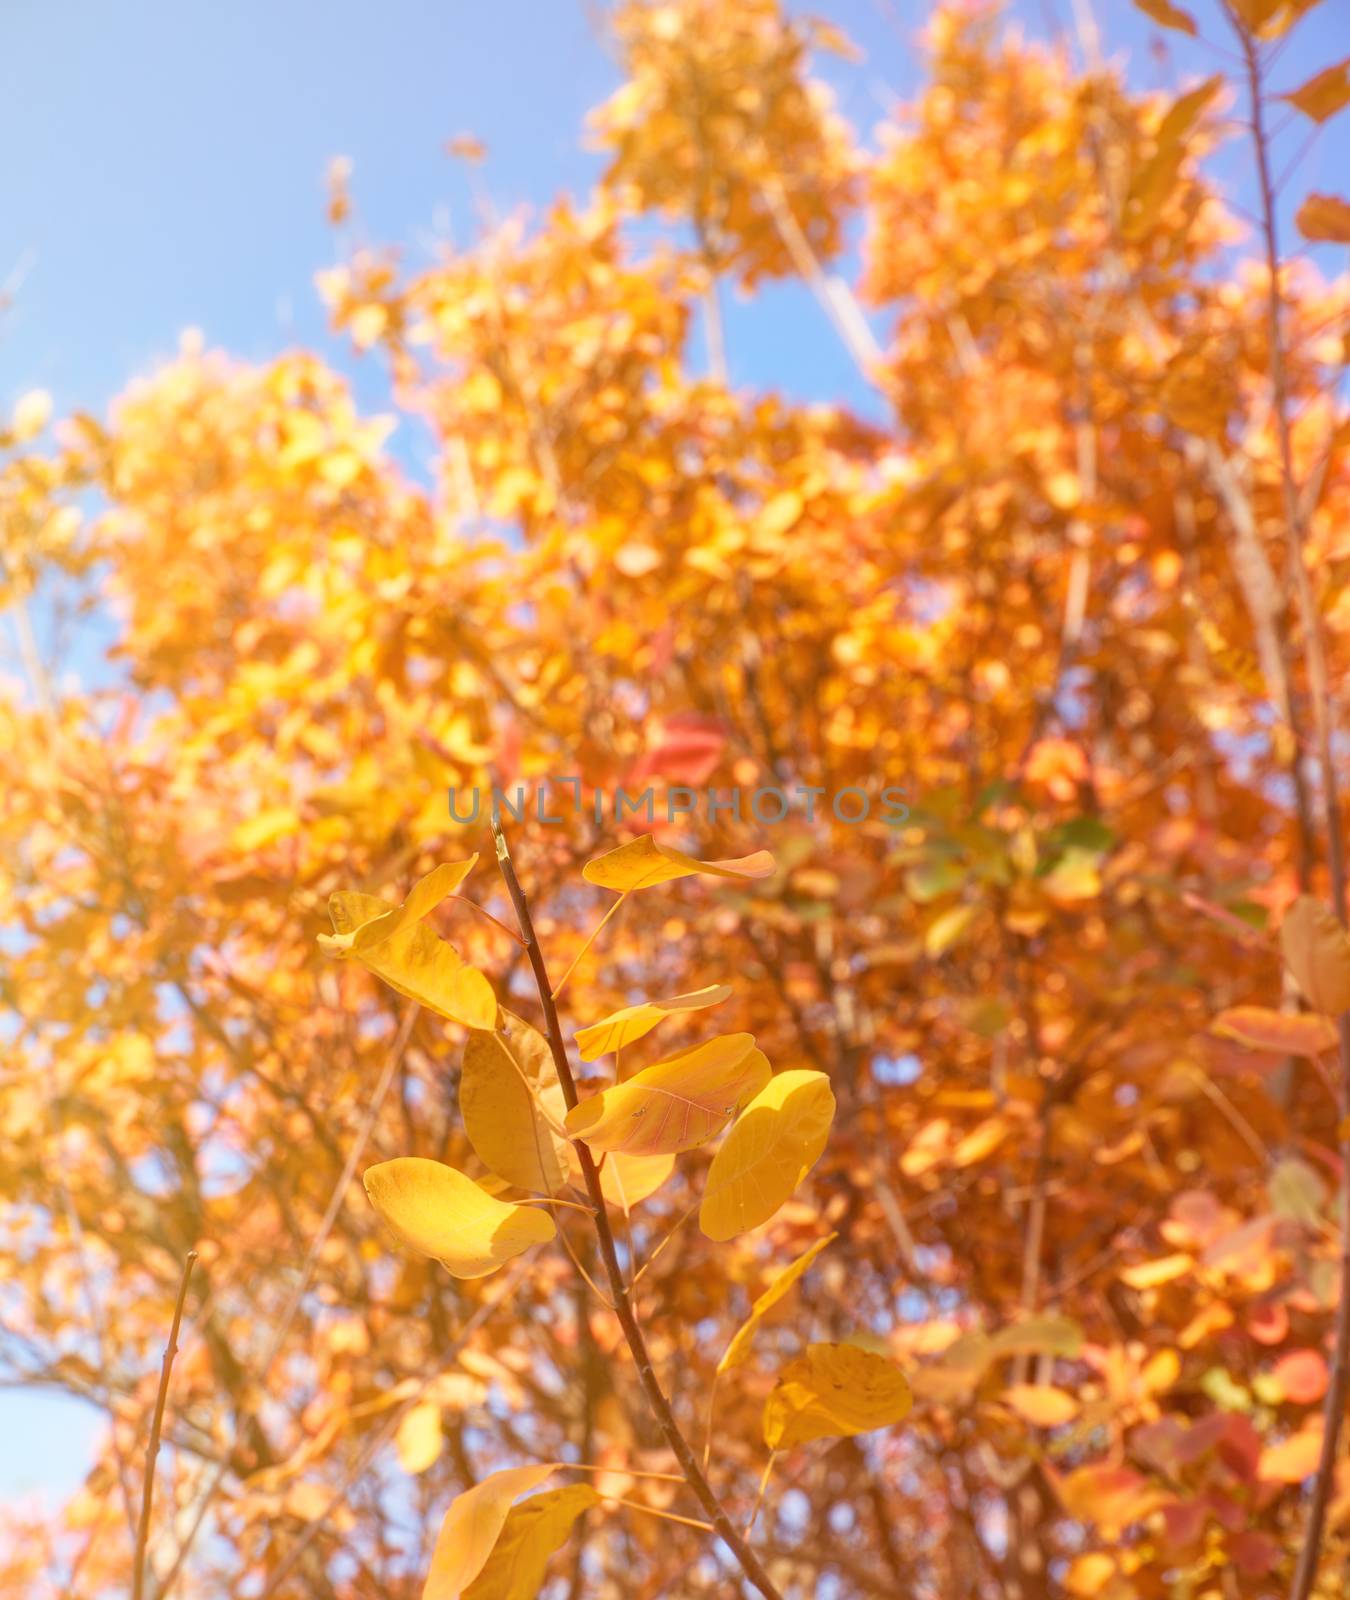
(624, 1472)
(623, 1307)
(665, 1240)
(590, 940)
(156, 1428)
(484, 912)
(666, 1516)
(759, 1498)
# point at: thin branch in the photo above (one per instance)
(484, 912)
(666, 1516)
(759, 1497)
(335, 1203)
(665, 1240)
(156, 1428)
(623, 1308)
(590, 940)
(1315, 658)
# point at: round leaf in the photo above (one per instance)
(472, 1525)
(437, 1211)
(643, 862)
(633, 1022)
(506, 1076)
(832, 1391)
(774, 1144)
(675, 1104)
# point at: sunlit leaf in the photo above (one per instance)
(1324, 218)
(738, 1351)
(437, 1211)
(419, 1437)
(625, 1181)
(504, 1121)
(676, 1104)
(1324, 94)
(533, 1530)
(773, 1145)
(1286, 1033)
(633, 1022)
(472, 1527)
(1152, 185)
(644, 862)
(1038, 1336)
(1302, 1377)
(1167, 15)
(1296, 1458)
(1316, 948)
(1041, 1404)
(1108, 1496)
(423, 898)
(1297, 1193)
(834, 1390)
(948, 929)
(408, 955)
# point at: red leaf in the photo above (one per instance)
(682, 748)
(1302, 1374)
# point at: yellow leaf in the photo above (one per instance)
(412, 960)
(643, 863)
(1089, 1575)
(1294, 1458)
(1110, 1497)
(1324, 94)
(780, 513)
(948, 929)
(1167, 15)
(738, 1351)
(981, 1141)
(834, 1391)
(620, 1028)
(677, 1103)
(471, 1528)
(1155, 180)
(423, 898)
(502, 1117)
(257, 832)
(32, 412)
(1286, 1033)
(438, 1212)
(1316, 949)
(772, 1147)
(1324, 217)
(534, 1529)
(1037, 1336)
(1152, 1274)
(419, 1437)
(1041, 1404)
(625, 1181)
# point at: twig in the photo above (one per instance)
(335, 1203)
(590, 940)
(665, 1240)
(484, 912)
(156, 1428)
(624, 1472)
(759, 1498)
(623, 1308)
(1314, 654)
(666, 1516)
(508, 1282)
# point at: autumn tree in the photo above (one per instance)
(1045, 662)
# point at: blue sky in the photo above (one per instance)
(167, 159)
(164, 170)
